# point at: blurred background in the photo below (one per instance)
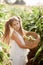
(22, 2)
(31, 13)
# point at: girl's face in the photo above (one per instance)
(16, 25)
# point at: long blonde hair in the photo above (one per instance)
(6, 35)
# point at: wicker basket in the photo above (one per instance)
(32, 43)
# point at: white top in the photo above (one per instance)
(18, 54)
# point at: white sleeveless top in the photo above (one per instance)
(19, 55)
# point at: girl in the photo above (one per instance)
(14, 37)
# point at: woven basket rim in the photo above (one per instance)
(34, 43)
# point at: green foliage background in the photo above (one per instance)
(32, 18)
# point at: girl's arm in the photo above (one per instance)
(20, 44)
